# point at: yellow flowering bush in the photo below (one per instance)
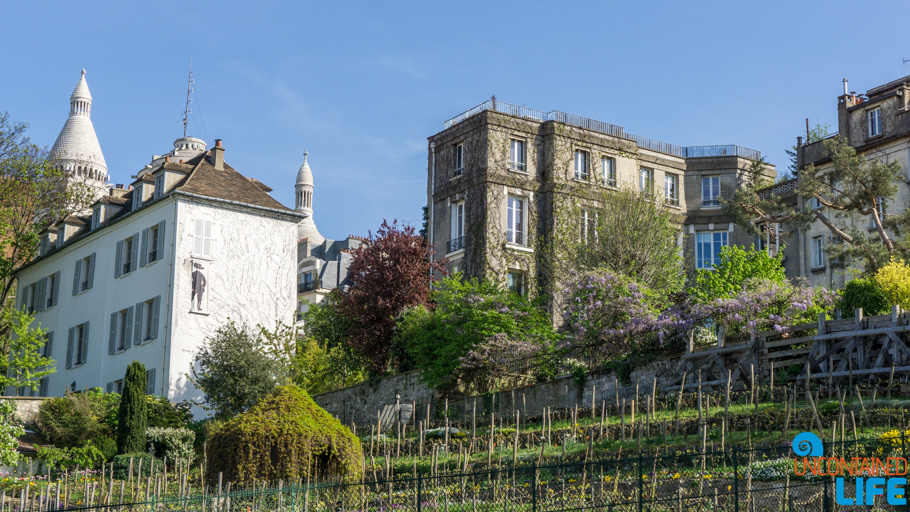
(894, 280)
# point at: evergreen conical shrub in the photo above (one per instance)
(131, 417)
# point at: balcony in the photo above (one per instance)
(607, 128)
(455, 244)
(308, 286)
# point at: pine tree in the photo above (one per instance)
(131, 418)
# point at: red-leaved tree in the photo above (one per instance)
(391, 272)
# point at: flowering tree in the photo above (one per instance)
(391, 272)
(613, 316)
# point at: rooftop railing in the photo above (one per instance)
(609, 129)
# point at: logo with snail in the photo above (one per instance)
(858, 480)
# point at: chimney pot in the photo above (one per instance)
(167, 159)
(218, 156)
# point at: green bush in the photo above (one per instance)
(131, 415)
(121, 465)
(174, 443)
(866, 294)
(285, 437)
(468, 313)
(73, 420)
(161, 413)
(68, 458)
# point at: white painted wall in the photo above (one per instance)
(251, 276)
(251, 280)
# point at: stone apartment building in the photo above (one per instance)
(498, 176)
(877, 125)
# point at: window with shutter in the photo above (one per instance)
(202, 238)
(90, 275)
(112, 339)
(48, 349)
(159, 241)
(41, 301)
(118, 259)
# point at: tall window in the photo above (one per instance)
(53, 290)
(646, 180)
(875, 122)
(159, 185)
(145, 327)
(202, 238)
(588, 224)
(880, 208)
(707, 248)
(152, 244)
(77, 345)
(84, 275)
(710, 191)
(671, 189)
(515, 234)
(96, 217)
(581, 165)
(515, 282)
(456, 241)
(608, 171)
(137, 196)
(818, 252)
(126, 257)
(459, 160)
(517, 155)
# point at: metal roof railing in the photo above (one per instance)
(609, 129)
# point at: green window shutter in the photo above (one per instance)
(156, 308)
(137, 327)
(118, 259)
(128, 335)
(69, 347)
(112, 341)
(76, 277)
(160, 247)
(56, 289)
(144, 250)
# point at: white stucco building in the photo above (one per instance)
(158, 266)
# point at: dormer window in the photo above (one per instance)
(96, 217)
(137, 196)
(875, 121)
(46, 244)
(61, 236)
(159, 185)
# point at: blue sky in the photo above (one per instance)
(361, 85)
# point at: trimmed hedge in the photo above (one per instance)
(286, 437)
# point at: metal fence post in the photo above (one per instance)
(904, 455)
(534, 487)
(419, 490)
(640, 483)
(735, 481)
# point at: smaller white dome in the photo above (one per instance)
(305, 175)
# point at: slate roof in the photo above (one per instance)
(226, 184)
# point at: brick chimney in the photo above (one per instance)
(218, 155)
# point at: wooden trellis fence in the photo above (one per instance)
(853, 348)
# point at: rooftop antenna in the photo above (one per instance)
(906, 61)
(189, 90)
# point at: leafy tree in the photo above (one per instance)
(25, 364)
(33, 194)
(815, 134)
(475, 327)
(234, 372)
(736, 269)
(866, 294)
(324, 360)
(894, 280)
(9, 432)
(853, 187)
(621, 232)
(131, 416)
(78, 419)
(391, 272)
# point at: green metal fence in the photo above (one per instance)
(736, 480)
